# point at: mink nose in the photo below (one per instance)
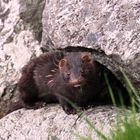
(76, 82)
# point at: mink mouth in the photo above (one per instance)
(77, 84)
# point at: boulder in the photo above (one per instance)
(18, 44)
(52, 123)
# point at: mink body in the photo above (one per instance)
(33, 84)
(56, 77)
(63, 77)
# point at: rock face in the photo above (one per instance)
(52, 123)
(109, 26)
(18, 44)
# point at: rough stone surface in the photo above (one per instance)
(17, 46)
(111, 26)
(51, 122)
(31, 13)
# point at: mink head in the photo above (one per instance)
(77, 68)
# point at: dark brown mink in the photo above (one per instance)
(58, 76)
(55, 77)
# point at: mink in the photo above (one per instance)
(66, 78)
(56, 77)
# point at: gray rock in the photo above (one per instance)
(112, 27)
(31, 13)
(51, 122)
(17, 46)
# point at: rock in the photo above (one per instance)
(109, 28)
(31, 13)
(112, 28)
(17, 45)
(52, 123)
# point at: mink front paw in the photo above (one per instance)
(69, 110)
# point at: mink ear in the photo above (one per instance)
(62, 63)
(87, 57)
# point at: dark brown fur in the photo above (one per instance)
(58, 77)
(33, 82)
(55, 77)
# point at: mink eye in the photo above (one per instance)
(67, 75)
(82, 71)
(86, 71)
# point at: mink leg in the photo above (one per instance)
(66, 106)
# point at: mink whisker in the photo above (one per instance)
(53, 70)
(48, 76)
(50, 81)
